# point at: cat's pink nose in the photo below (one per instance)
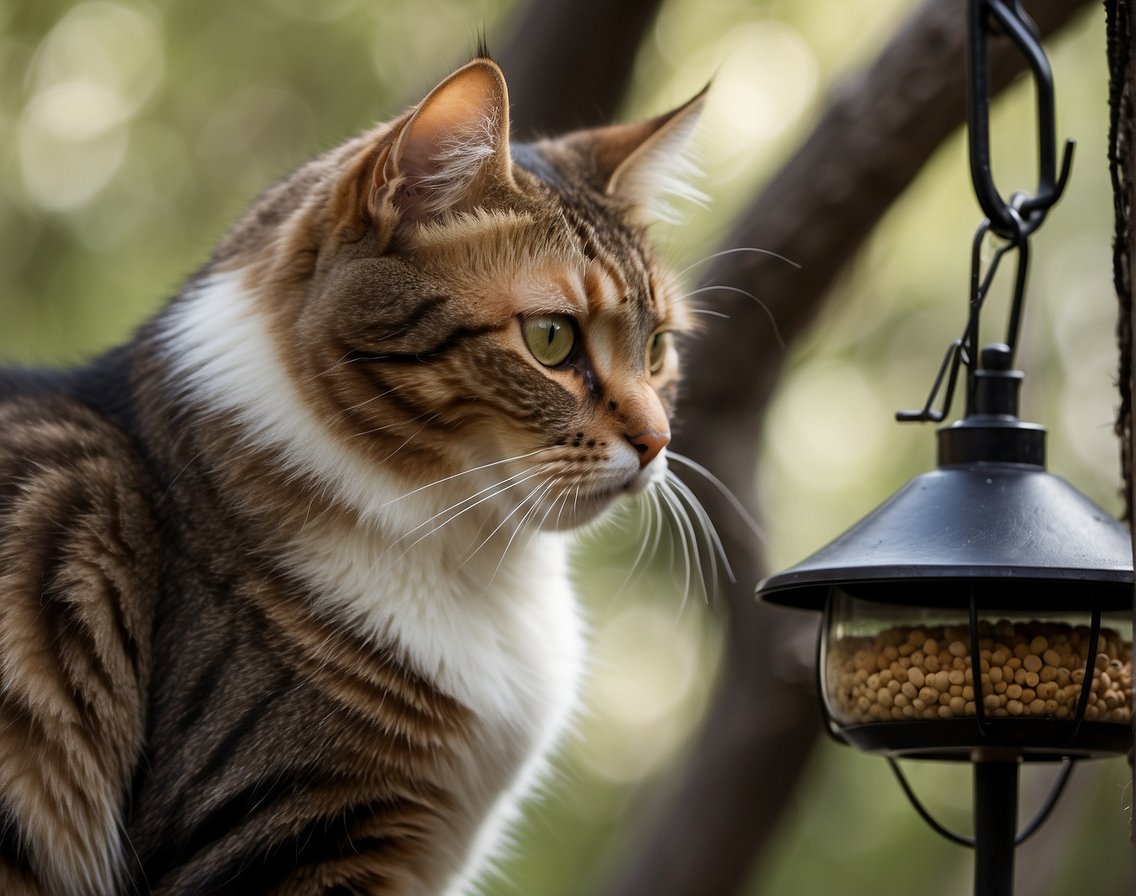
(649, 443)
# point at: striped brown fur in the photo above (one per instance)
(283, 603)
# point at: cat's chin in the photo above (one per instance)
(587, 509)
(591, 506)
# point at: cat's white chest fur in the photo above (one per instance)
(502, 638)
(494, 627)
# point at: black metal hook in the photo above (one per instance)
(964, 351)
(945, 380)
(1013, 220)
(1018, 27)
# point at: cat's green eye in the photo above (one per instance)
(657, 351)
(550, 337)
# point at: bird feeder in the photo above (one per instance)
(983, 613)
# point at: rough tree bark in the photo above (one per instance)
(1122, 164)
(1122, 147)
(875, 134)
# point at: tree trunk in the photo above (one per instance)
(1122, 86)
(1122, 164)
(568, 63)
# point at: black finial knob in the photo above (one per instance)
(995, 384)
(991, 430)
(996, 356)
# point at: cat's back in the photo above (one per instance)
(77, 579)
(66, 442)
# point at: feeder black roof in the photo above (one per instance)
(990, 517)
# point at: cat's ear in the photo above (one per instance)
(451, 147)
(647, 163)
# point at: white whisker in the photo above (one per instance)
(661, 518)
(339, 362)
(366, 402)
(471, 554)
(495, 490)
(678, 518)
(684, 496)
(713, 542)
(670, 508)
(689, 538)
(563, 506)
(710, 312)
(730, 497)
(478, 469)
(745, 292)
(521, 523)
(410, 438)
(736, 250)
(649, 511)
(387, 428)
(559, 500)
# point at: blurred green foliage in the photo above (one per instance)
(133, 131)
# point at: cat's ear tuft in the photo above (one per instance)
(451, 147)
(650, 163)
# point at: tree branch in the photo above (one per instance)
(568, 63)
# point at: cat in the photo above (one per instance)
(284, 604)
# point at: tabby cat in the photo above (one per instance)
(283, 593)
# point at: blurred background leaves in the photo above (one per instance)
(132, 132)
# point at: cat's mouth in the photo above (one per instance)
(655, 472)
(635, 483)
(586, 505)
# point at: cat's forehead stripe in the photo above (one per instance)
(617, 281)
(604, 241)
(600, 289)
(603, 285)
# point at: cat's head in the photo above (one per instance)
(458, 310)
